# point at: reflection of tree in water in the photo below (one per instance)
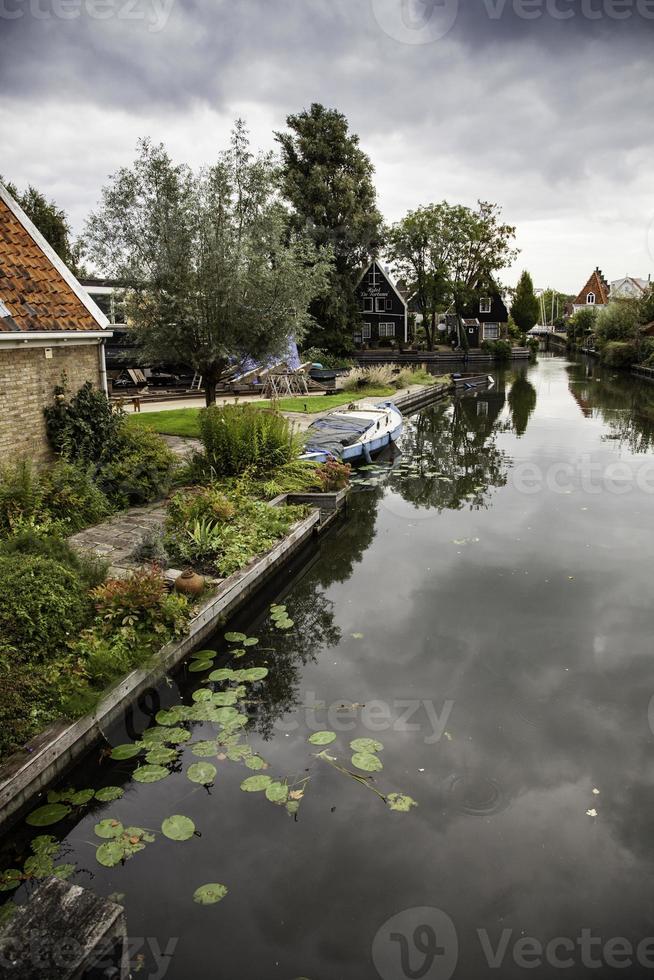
(522, 402)
(622, 401)
(453, 459)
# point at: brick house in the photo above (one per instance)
(594, 294)
(49, 326)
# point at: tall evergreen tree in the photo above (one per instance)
(525, 307)
(328, 180)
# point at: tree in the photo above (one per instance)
(416, 248)
(525, 307)
(217, 275)
(328, 180)
(646, 307)
(51, 221)
(582, 324)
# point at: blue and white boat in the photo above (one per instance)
(353, 435)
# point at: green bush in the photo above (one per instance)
(21, 496)
(329, 361)
(90, 570)
(43, 606)
(63, 498)
(137, 468)
(81, 428)
(500, 349)
(619, 354)
(239, 438)
(333, 475)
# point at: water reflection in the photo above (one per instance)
(625, 403)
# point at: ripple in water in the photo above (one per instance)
(475, 794)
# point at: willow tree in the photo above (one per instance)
(216, 275)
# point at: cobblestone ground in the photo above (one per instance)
(116, 539)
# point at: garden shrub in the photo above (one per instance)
(81, 428)
(71, 495)
(332, 362)
(377, 376)
(21, 495)
(43, 606)
(90, 570)
(333, 475)
(500, 349)
(136, 468)
(619, 354)
(239, 438)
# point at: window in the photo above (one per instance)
(386, 329)
(485, 304)
(389, 305)
(366, 331)
(374, 277)
(367, 304)
(491, 331)
(590, 299)
(380, 304)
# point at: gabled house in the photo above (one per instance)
(49, 328)
(486, 318)
(595, 293)
(383, 308)
(629, 288)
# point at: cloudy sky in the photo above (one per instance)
(543, 106)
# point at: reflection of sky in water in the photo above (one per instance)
(531, 613)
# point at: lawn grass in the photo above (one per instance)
(184, 421)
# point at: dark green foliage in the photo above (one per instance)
(28, 702)
(81, 428)
(619, 353)
(525, 307)
(500, 349)
(238, 439)
(138, 467)
(43, 606)
(64, 497)
(90, 570)
(21, 495)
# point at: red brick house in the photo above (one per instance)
(49, 326)
(595, 293)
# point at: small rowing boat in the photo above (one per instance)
(353, 435)
(470, 382)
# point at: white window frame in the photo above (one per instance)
(485, 304)
(491, 331)
(368, 304)
(386, 330)
(366, 331)
(590, 299)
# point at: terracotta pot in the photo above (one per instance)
(189, 583)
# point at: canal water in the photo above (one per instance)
(485, 613)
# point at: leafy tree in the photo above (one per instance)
(218, 276)
(328, 180)
(618, 321)
(525, 307)
(51, 221)
(416, 248)
(582, 324)
(646, 307)
(554, 304)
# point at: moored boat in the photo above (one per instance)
(470, 382)
(354, 434)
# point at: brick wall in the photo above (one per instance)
(27, 383)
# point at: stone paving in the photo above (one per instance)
(116, 539)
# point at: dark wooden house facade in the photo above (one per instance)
(486, 319)
(382, 308)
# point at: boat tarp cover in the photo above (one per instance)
(334, 432)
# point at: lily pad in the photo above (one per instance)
(322, 738)
(256, 762)
(176, 735)
(170, 716)
(109, 793)
(161, 755)
(127, 751)
(46, 815)
(203, 655)
(284, 624)
(366, 745)
(367, 762)
(277, 792)
(108, 829)
(250, 641)
(222, 674)
(205, 750)
(397, 801)
(110, 854)
(223, 698)
(10, 879)
(150, 774)
(204, 694)
(178, 827)
(202, 772)
(255, 784)
(197, 666)
(225, 716)
(253, 674)
(81, 797)
(235, 637)
(209, 894)
(235, 753)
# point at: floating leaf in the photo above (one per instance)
(196, 666)
(255, 784)
(81, 797)
(277, 792)
(127, 751)
(10, 879)
(256, 762)
(202, 772)
(161, 755)
(45, 844)
(150, 774)
(176, 735)
(235, 637)
(366, 745)
(203, 655)
(293, 806)
(178, 827)
(253, 674)
(222, 674)
(225, 716)
(322, 738)
(63, 871)
(110, 854)
(367, 762)
(48, 814)
(224, 698)
(204, 694)
(108, 829)
(235, 753)
(250, 641)
(400, 802)
(209, 894)
(204, 749)
(109, 793)
(170, 716)
(152, 736)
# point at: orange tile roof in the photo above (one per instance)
(32, 289)
(596, 284)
